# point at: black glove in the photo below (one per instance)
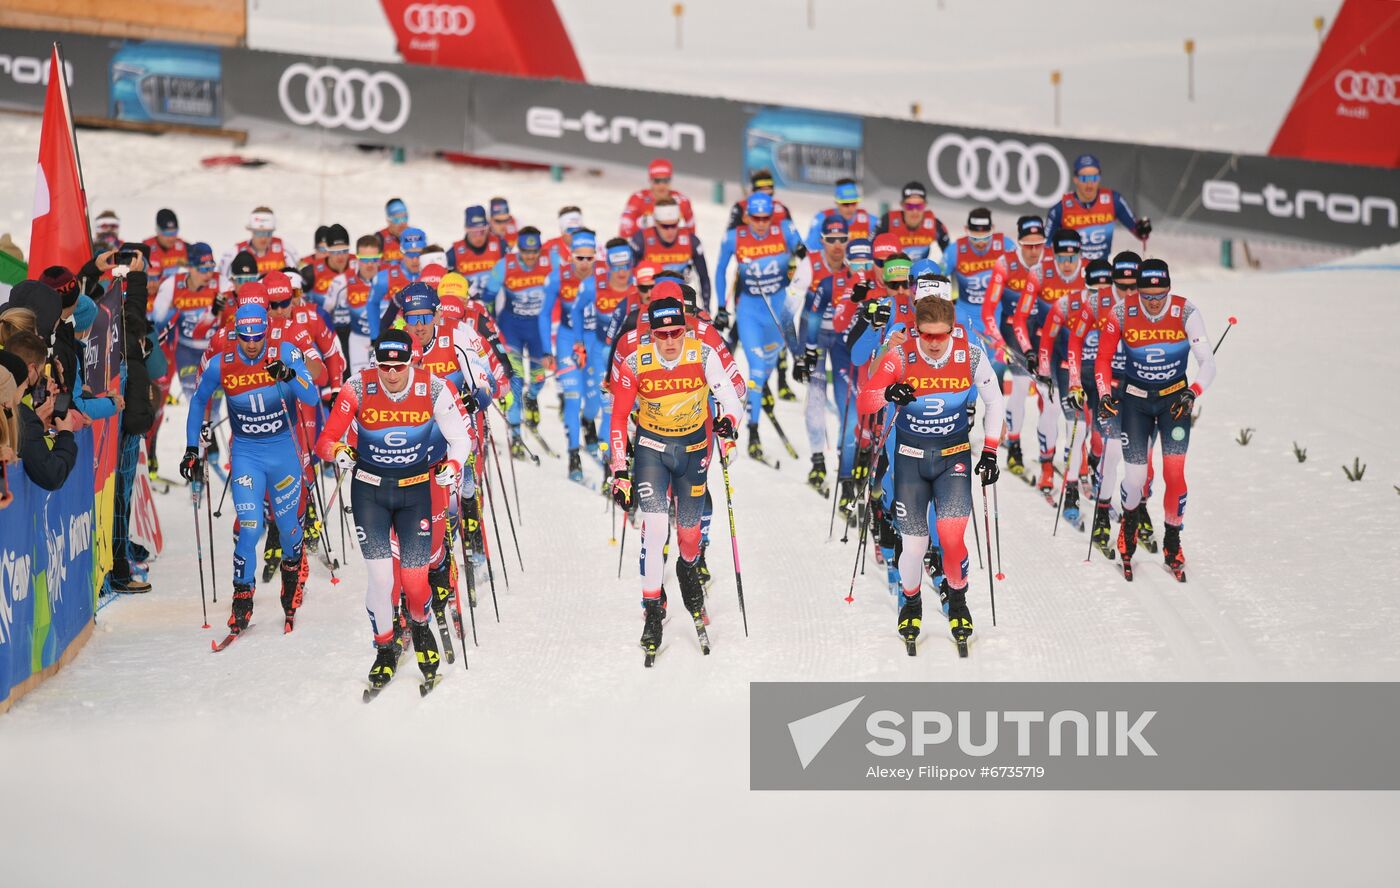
(469, 401)
(799, 369)
(722, 320)
(877, 314)
(810, 358)
(1033, 363)
(1075, 398)
(190, 464)
(218, 306)
(860, 291)
(724, 428)
(1143, 228)
(987, 467)
(1108, 405)
(1044, 380)
(1181, 408)
(622, 489)
(900, 393)
(800, 252)
(280, 371)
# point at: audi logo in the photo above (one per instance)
(439, 19)
(1368, 86)
(354, 98)
(995, 180)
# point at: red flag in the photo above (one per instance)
(60, 233)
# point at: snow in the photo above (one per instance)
(985, 64)
(556, 754)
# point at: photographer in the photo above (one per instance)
(46, 445)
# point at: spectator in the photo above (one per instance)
(12, 373)
(47, 458)
(65, 345)
(92, 406)
(13, 319)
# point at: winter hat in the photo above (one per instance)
(85, 313)
(62, 282)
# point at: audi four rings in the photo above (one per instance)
(1024, 188)
(439, 19)
(354, 98)
(1368, 86)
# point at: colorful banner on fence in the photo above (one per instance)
(46, 558)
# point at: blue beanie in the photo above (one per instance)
(84, 313)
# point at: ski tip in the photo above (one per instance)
(910, 648)
(214, 646)
(962, 649)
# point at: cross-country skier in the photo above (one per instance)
(397, 411)
(860, 225)
(671, 379)
(637, 214)
(1093, 211)
(169, 253)
(1013, 276)
(396, 214)
(931, 377)
(260, 381)
(1159, 330)
(517, 288)
(914, 224)
(262, 244)
(477, 252)
(503, 224)
(383, 305)
(969, 262)
(760, 182)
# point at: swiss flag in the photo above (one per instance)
(59, 235)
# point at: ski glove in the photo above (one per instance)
(900, 393)
(1075, 399)
(190, 464)
(280, 371)
(1181, 408)
(987, 467)
(724, 428)
(447, 474)
(722, 320)
(1108, 405)
(859, 292)
(345, 456)
(622, 488)
(1033, 363)
(1143, 228)
(877, 314)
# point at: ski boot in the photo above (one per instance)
(517, 444)
(1014, 462)
(1071, 510)
(532, 411)
(651, 630)
(311, 527)
(911, 617)
(846, 499)
(1171, 549)
(440, 584)
(816, 478)
(755, 446)
(1145, 530)
(386, 660)
(693, 594)
(785, 391)
(153, 467)
(242, 608)
(1046, 484)
(703, 570)
(575, 467)
(425, 649)
(293, 589)
(959, 618)
(943, 589)
(1127, 542)
(1102, 532)
(933, 562)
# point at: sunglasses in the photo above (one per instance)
(337, 250)
(896, 285)
(667, 224)
(673, 333)
(244, 278)
(500, 218)
(760, 218)
(261, 232)
(206, 269)
(418, 318)
(393, 367)
(644, 288)
(834, 238)
(374, 258)
(279, 304)
(915, 206)
(979, 236)
(860, 266)
(1089, 179)
(1067, 257)
(935, 337)
(661, 180)
(252, 337)
(1164, 292)
(580, 257)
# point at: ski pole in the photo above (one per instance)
(978, 542)
(496, 528)
(1098, 488)
(771, 411)
(991, 584)
(206, 435)
(1064, 484)
(195, 488)
(733, 537)
(219, 512)
(996, 520)
(304, 455)
(509, 516)
(1233, 320)
(840, 448)
(456, 584)
(339, 480)
(622, 549)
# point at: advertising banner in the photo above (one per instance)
(46, 592)
(556, 122)
(522, 37)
